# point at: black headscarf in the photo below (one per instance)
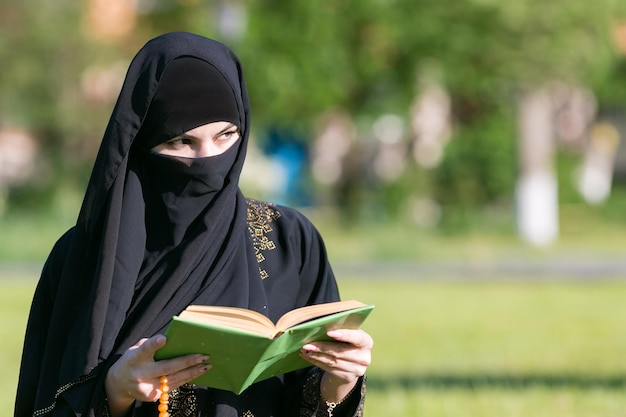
(154, 233)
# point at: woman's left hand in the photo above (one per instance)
(344, 360)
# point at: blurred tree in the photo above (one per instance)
(39, 80)
(364, 57)
(304, 58)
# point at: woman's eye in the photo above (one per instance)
(177, 142)
(229, 135)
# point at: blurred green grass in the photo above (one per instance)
(495, 348)
(16, 290)
(450, 348)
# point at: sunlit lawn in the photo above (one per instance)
(495, 348)
(15, 296)
(454, 348)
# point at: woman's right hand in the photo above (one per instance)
(135, 376)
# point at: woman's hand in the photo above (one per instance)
(135, 376)
(344, 360)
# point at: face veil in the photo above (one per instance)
(120, 280)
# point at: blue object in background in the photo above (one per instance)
(288, 149)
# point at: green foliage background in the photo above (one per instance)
(303, 59)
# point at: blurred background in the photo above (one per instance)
(442, 119)
(433, 142)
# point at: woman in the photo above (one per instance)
(163, 225)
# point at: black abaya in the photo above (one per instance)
(158, 233)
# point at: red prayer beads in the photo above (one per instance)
(164, 399)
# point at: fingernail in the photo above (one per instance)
(335, 333)
(310, 348)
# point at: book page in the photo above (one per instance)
(252, 321)
(302, 314)
(233, 317)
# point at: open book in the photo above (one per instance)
(246, 347)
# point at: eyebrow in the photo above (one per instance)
(188, 136)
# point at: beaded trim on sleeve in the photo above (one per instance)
(260, 215)
(61, 390)
(313, 405)
(311, 395)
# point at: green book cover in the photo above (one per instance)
(241, 357)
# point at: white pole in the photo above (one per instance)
(537, 188)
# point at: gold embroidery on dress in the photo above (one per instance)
(260, 216)
(183, 401)
(247, 414)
